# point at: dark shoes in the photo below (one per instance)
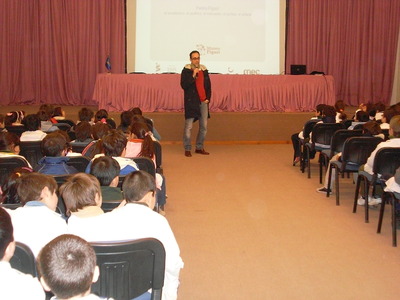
(188, 154)
(202, 151)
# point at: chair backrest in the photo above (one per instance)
(347, 123)
(24, 260)
(128, 269)
(18, 130)
(63, 126)
(308, 127)
(144, 164)
(339, 137)
(386, 162)
(79, 162)
(9, 164)
(322, 133)
(386, 133)
(109, 205)
(77, 148)
(31, 151)
(356, 150)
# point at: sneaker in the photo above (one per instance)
(361, 201)
(374, 201)
(323, 190)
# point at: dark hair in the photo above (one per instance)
(111, 123)
(6, 231)
(67, 265)
(105, 169)
(10, 186)
(57, 111)
(379, 106)
(136, 111)
(362, 116)
(194, 51)
(126, 118)
(114, 143)
(30, 186)
(142, 131)
(340, 105)
(32, 122)
(83, 131)
(53, 144)
(137, 184)
(320, 108)
(8, 140)
(101, 114)
(371, 128)
(389, 113)
(85, 114)
(48, 108)
(99, 130)
(43, 115)
(80, 191)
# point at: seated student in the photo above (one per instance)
(297, 137)
(83, 134)
(9, 145)
(45, 121)
(82, 196)
(67, 267)
(14, 118)
(361, 117)
(393, 142)
(387, 115)
(106, 169)
(379, 108)
(149, 122)
(126, 121)
(14, 284)
(94, 147)
(340, 114)
(9, 186)
(55, 148)
(36, 222)
(33, 132)
(114, 145)
(135, 220)
(86, 114)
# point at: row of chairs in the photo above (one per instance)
(355, 151)
(127, 269)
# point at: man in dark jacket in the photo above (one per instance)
(196, 84)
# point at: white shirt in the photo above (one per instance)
(17, 285)
(35, 225)
(392, 143)
(32, 136)
(134, 221)
(392, 186)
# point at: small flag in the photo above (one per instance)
(108, 63)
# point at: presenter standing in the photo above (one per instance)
(196, 84)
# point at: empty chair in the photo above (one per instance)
(356, 151)
(129, 269)
(80, 162)
(24, 260)
(386, 161)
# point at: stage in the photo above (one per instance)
(230, 93)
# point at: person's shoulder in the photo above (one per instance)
(187, 67)
(203, 68)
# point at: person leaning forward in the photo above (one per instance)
(196, 84)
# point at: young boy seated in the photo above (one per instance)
(55, 148)
(106, 169)
(67, 267)
(36, 223)
(14, 284)
(33, 130)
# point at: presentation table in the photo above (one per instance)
(230, 93)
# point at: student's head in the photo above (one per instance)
(54, 144)
(99, 130)
(319, 109)
(67, 266)
(9, 142)
(126, 118)
(85, 114)
(394, 128)
(48, 108)
(139, 186)
(83, 131)
(114, 143)
(111, 123)
(371, 128)
(388, 114)
(340, 106)
(106, 169)
(14, 117)
(32, 122)
(38, 187)
(9, 185)
(100, 115)
(362, 116)
(43, 115)
(80, 190)
(59, 112)
(136, 111)
(7, 244)
(379, 106)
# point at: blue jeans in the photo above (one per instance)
(201, 135)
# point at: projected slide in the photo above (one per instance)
(232, 36)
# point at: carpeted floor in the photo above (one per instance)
(252, 226)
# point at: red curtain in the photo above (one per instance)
(51, 50)
(353, 40)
